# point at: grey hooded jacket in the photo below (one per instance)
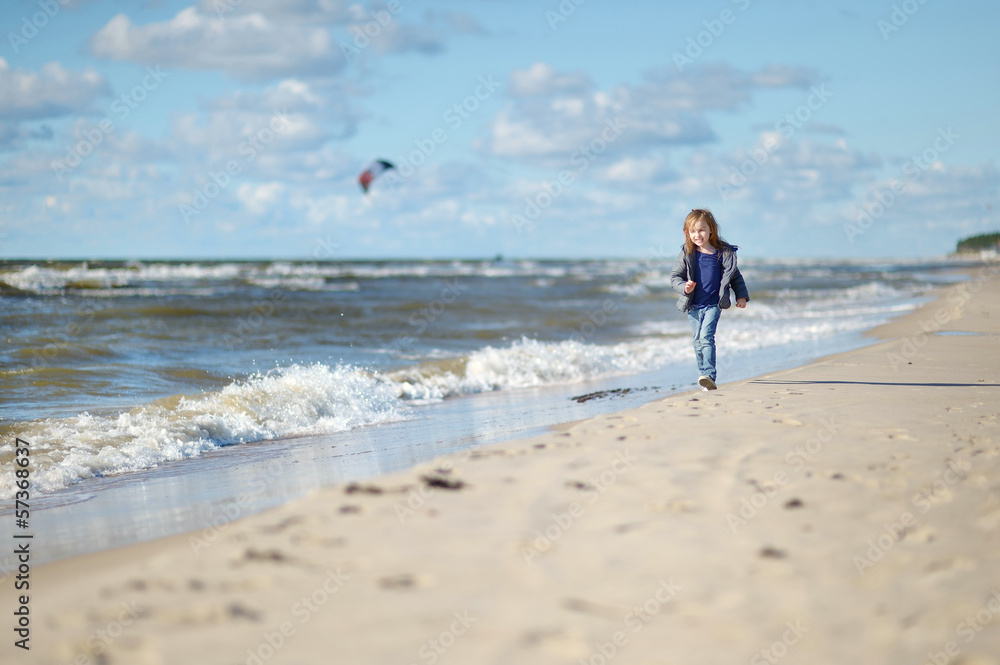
(731, 277)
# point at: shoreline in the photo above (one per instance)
(559, 547)
(241, 480)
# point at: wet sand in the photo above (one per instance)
(844, 511)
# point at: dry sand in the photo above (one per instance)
(847, 511)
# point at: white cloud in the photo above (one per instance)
(380, 31)
(51, 92)
(280, 132)
(774, 76)
(786, 169)
(258, 40)
(304, 11)
(542, 79)
(320, 209)
(553, 115)
(946, 194)
(636, 170)
(246, 46)
(262, 198)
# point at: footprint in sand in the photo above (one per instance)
(132, 649)
(674, 506)
(405, 581)
(357, 488)
(948, 568)
(244, 584)
(199, 614)
(568, 643)
(316, 541)
(280, 526)
(919, 534)
(630, 526)
(152, 583)
(276, 556)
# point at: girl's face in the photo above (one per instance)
(700, 235)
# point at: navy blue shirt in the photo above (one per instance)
(708, 269)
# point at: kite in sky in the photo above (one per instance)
(378, 167)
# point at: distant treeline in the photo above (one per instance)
(979, 242)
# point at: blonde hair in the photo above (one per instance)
(702, 215)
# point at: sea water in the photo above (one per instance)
(155, 393)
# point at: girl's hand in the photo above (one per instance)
(741, 302)
(689, 286)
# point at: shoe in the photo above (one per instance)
(706, 382)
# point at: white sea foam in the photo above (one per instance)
(637, 277)
(530, 363)
(98, 279)
(298, 400)
(291, 401)
(797, 315)
(83, 277)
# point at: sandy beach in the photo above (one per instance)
(847, 511)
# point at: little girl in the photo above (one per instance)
(704, 272)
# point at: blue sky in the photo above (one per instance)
(237, 128)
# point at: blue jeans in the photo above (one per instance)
(703, 323)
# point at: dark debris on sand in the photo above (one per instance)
(615, 392)
(442, 481)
